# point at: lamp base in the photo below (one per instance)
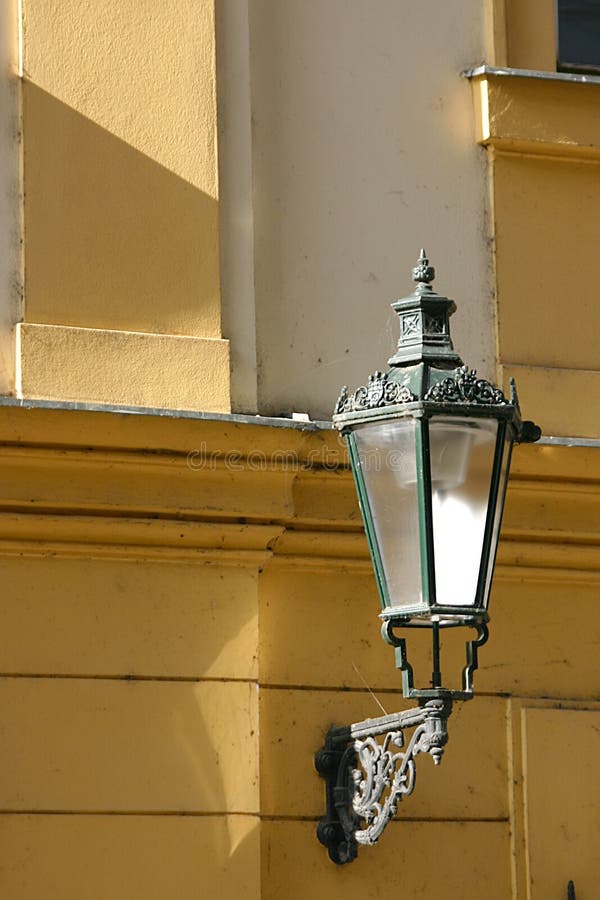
(436, 691)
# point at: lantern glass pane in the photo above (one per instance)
(387, 455)
(462, 458)
(506, 454)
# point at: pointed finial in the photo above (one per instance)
(423, 273)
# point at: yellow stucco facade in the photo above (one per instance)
(120, 213)
(543, 142)
(188, 602)
(184, 616)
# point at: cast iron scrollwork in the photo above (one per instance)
(367, 778)
(387, 771)
(466, 387)
(379, 391)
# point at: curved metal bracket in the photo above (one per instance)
(473, 659)
(367, 778)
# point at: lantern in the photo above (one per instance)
(429, 444)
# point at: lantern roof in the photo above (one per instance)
(424, 322)
(426, 375)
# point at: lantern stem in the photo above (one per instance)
(436, 675)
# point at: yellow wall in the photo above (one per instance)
(543, 141)
(121, 204)
(183, 617)
(544, 156)
(531, 33)
(188, 603)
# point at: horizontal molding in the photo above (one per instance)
(573, 490)
(274, 502)
(259, 545)
(323, 564)
(139, 484)
(535, 569)
(324, 545)
(255, 558)
(98, 482)
(122, 538)
(133, 812)
(77, 427)
(158, 439)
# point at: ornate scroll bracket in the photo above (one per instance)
(366, 778)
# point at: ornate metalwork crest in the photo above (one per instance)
(378, 391)
(466, 387)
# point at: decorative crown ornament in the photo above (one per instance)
(423, 273)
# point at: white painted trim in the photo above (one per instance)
(20, 38)
(236, 207)
(11, 194)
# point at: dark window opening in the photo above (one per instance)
(578, 23)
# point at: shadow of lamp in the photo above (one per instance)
(429, 445)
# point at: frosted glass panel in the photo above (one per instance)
(498, 513)
(462, 457)
(386, 451)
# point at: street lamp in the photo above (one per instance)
(429, 445)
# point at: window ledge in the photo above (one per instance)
(536, 113)
(573, 78)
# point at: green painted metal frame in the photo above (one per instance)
(435, 691)
(425, 512)
(481, 598)
(474, 616)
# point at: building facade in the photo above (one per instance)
(206, 209)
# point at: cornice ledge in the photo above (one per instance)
(36, 534)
